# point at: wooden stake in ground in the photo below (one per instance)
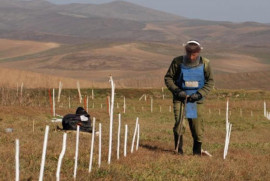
(76, 152)
(41, 173)
(111, 118)
(92, 146)
(17, 162)
(61, 156)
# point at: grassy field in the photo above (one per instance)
(248, 156)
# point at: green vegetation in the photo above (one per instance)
(248, 156)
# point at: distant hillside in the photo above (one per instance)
(119, 21)
(118, 10)
(133, 43)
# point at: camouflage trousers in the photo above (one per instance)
(196, 125)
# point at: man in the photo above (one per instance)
(190, 79)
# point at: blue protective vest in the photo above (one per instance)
(191, 79)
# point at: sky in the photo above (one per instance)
(217, 10)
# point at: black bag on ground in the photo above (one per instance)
(81, 118)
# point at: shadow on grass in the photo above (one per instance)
(156, 148)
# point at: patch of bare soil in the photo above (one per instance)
(15, 48)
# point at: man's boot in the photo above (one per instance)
(197, 148)
(180, 147)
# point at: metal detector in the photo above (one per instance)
(181, 119)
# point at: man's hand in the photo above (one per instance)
(180, 95)
(195, 97)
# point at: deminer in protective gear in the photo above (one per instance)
(190, 79)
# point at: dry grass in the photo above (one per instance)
(248, 157)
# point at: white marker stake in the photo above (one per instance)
(61, 157)
(21, 89)
(229, 136)
(138, 137)
(227, 113)
(227, 129)
(125, 146)
(99, 146)
(59, 90)
(92, 145)
(124, 106)
(44, 153)
(93, 94)
(118, 136)
(134, 135)
(79, 91)
(53, 103)
(76, 152)
(151, 104)
(141, 97)
(17, 163)
(163, 96)
(226, 143)
(111, 118)
(264, 108)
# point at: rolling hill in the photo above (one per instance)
(134, 43)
